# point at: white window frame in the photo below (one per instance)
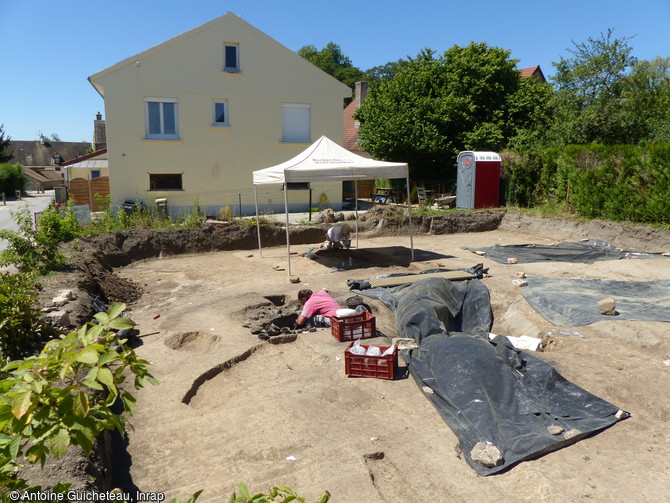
(215, 122)
(294, 128)
(231, 69)
(162, 135)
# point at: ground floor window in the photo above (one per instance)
(163, 181)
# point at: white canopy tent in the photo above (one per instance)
(325, 160)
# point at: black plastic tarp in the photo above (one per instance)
(586, 252)
(574, 302)
(487, 391)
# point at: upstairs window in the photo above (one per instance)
(161, 119)
(164, 181)
(231, 58)
(95, 173)
(296, 122)
(221, 113)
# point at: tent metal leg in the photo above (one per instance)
(409, 214)
(288, 243)
(258, 225)
(356, 206)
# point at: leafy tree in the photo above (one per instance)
(5, 154)
(647, 97)
(53, 137)
(529, 114)
(384, 72)
(332, 61)
(590, 86)
(435, 107)
(11, 179)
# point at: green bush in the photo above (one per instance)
(30, 250)
(612, 182)
(64, 395)
(58, 224)
(11, 179)
(22, 329)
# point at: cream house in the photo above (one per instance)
(190, 119)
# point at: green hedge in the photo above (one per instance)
(618, 183)
(11, 179)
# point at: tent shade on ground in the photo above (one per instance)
(325, 160)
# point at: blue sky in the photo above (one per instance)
(50, 48)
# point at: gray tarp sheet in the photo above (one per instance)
(487, 391)
(574, 302)
(584, 252)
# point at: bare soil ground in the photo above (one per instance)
(231, 408)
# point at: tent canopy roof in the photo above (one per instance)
(325, 160)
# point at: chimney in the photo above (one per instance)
(360, 92)
(99, 132)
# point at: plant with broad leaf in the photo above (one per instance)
(278, 494)
(64, 395)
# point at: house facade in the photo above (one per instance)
(190, 119)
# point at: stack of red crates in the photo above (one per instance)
(356, 326)
(381, 367)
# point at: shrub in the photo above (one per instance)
(22, 329)
(31, 251)
(64, 395)
(11, 179)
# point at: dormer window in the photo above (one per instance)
(58, 159)
(231, 58)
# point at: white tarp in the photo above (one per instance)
(325, 160)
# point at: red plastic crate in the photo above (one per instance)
(356, 326)
(381, 367)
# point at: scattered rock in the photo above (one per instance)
(572, 434)
(60, 301)
(520, 274)
(511, 260)
(666, 363)
(58, 318)
(519, 282)
(405, 343)
(67, 294)
(427, 390)
(486, 455)
(326, 216)
(554, 429)
(479, 252)
(607, 307)
(294, 279)
(458, 450)
(621, 414)
(665, 254)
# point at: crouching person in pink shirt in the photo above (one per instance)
(317, 309)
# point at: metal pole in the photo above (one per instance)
(288, 244)
(310, 204)
(356, 206)
(258, 225)
(239, 202)
(409, 214)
